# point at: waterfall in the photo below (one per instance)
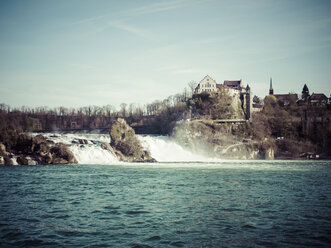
(87, 148)
(165, 149)
(88, 153)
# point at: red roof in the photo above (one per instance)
(286, 96)
(232, 83)
(318, 97)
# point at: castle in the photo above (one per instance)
(209, 85)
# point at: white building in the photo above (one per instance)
(207, 84)
(234, 88)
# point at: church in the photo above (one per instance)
(285, 99)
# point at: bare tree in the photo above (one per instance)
(123, 109)
(192, 85)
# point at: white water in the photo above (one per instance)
(162, 148)
(90, 153)
(165, 149)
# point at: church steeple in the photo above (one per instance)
(271, 90)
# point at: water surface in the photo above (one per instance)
(224, 204)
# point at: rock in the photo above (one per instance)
(37, 150)
(107, 146)
(8, 161)
(24, 144)
(22, 160)
(39, 139)
(59, 161)
(2, 160)
(62, 154)
(124, 140)
(3, 151)
(83, 141)
(47, 158)
(266, 150)
(270, 154)
(148, 158)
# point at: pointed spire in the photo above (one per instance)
(271, 90)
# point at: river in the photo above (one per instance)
(185, 204)
(185, 200)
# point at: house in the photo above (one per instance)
(237, 85)
(207, 84)
(318, 99)
(286, 99)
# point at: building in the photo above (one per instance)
(234, 87)
(237, 85)
(207, 84)
(284, 99)
(271, 90)
(318, 99)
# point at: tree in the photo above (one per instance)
(192, 85)
(305, 93)
(256, 100)
(123, 109)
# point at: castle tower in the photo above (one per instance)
(248, 102)
(271, 90)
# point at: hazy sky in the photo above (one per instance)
(78, 53)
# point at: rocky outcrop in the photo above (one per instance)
(3, 151)
(83, 141)
(228, 141)
(21, 160)
(5, 157)
(36, 150)
(61, 154)
(126, 145)
(107, 147)
(2, 160)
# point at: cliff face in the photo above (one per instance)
(236, 104)
(228, 141)
(125, 144)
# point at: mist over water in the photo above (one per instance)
(165, 149)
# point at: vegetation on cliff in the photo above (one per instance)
(291, 130)
(124, 140)
(296, 129)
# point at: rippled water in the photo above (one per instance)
(228, 204)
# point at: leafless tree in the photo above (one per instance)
(192, 85)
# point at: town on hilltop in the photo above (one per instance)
(255, 104)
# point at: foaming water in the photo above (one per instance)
(88, 153)
(227, 204)
(92, 154)
(164, 149)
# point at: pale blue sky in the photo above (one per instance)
(77, 53)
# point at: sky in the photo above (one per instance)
(76, 53)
